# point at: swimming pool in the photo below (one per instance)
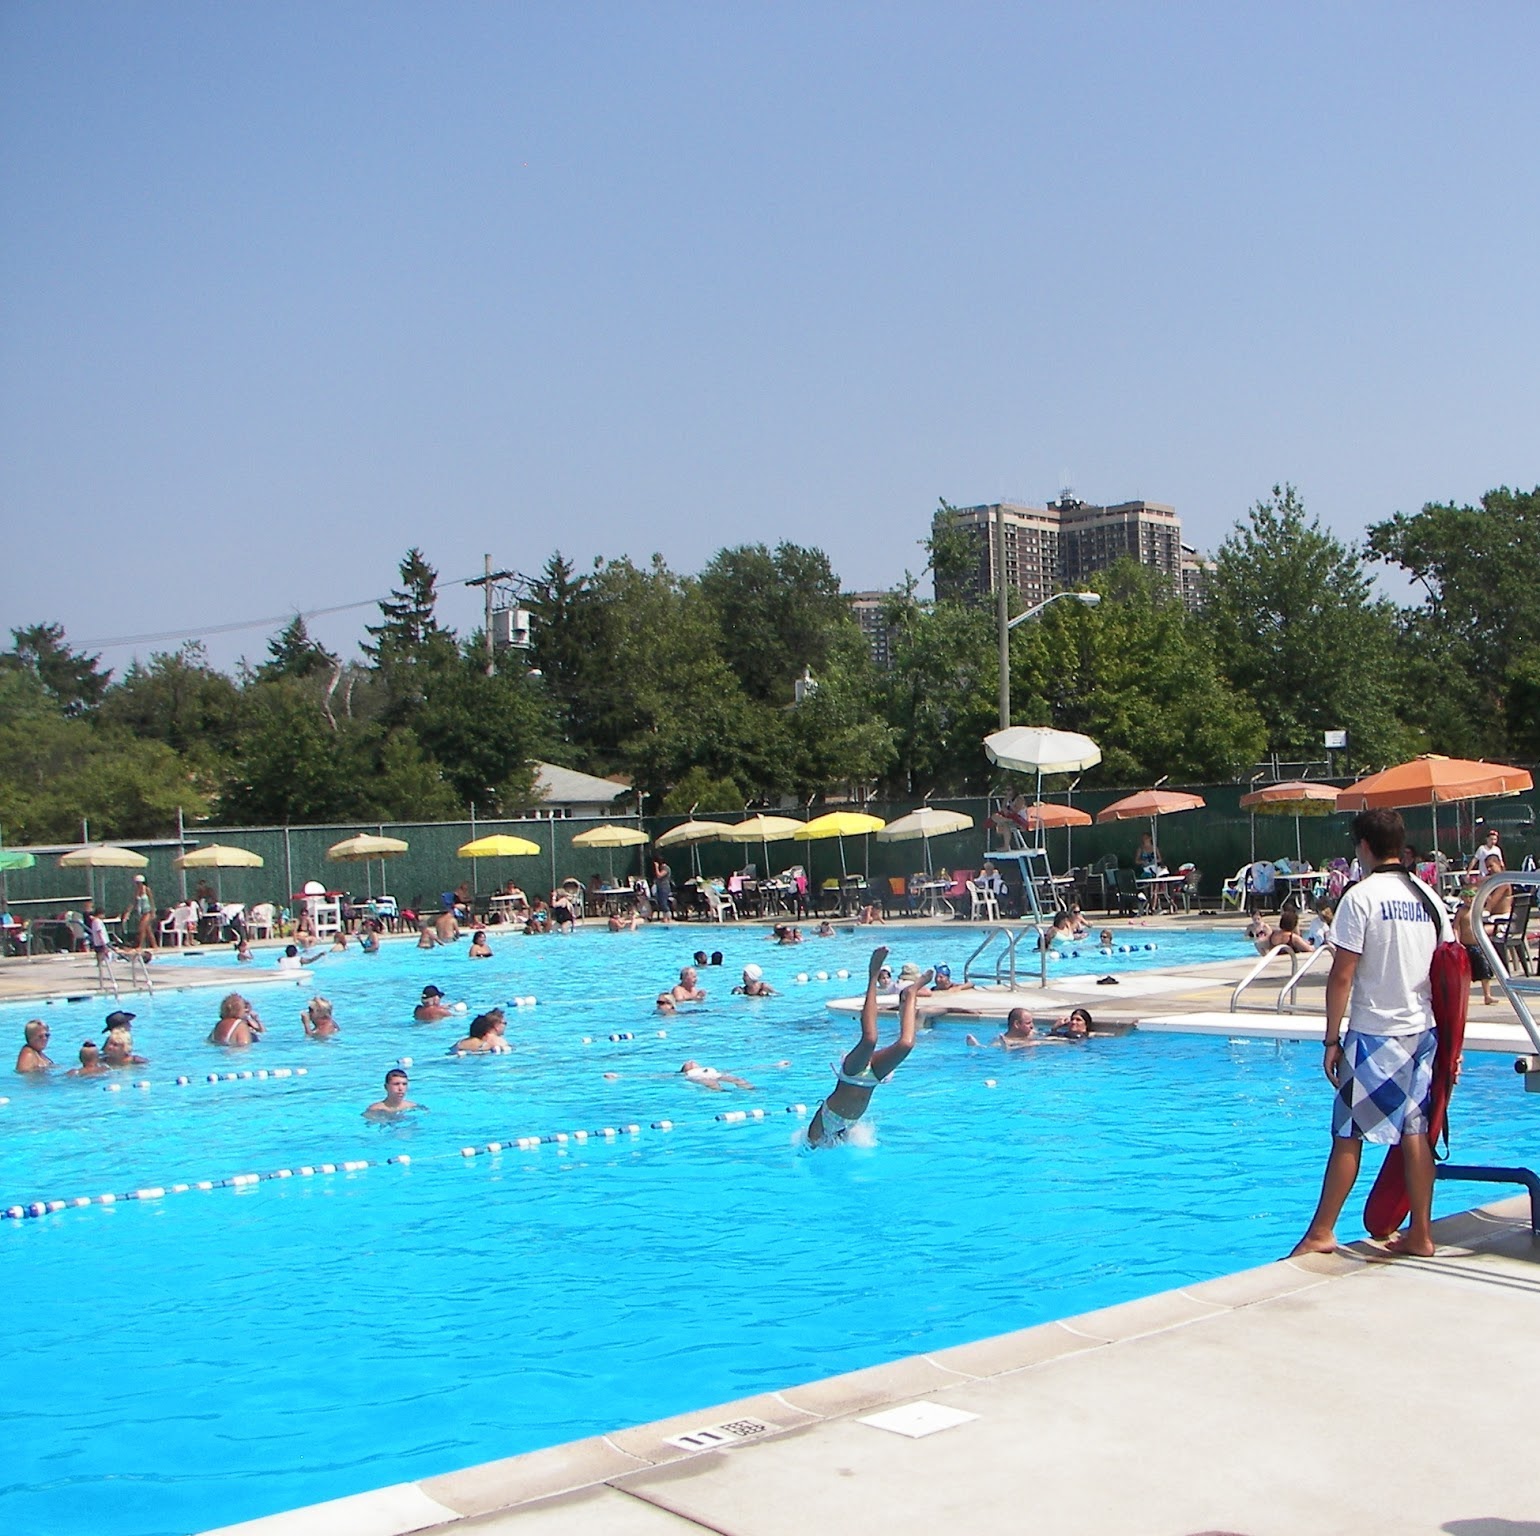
(209, 1356)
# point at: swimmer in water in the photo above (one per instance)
(432, 1008)
(709, 1077)
(666, 1003)
(91, 1063)
(754, 983)
(475, 1041)
(1075, 1025)
(688, 988)
(480, 949)
(317, 1019)
(395, 1101)
(865, 1066)
(1020, 1033)
(340, 942)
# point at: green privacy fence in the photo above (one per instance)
(1218, 839)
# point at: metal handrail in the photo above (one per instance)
(1513, 988)
(1256, 971)
(1005, 964)
(1286, 991)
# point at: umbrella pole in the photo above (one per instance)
(1299, 857)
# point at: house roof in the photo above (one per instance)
(566, 786)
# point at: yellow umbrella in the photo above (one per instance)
(691, 834)
(840, 824)
(610, 835)
(498, 846)
(367, 846)
(763, 829)
(102, 856)
(218, 856)
(688, 832)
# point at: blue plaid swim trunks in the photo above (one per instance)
(1386, 1083)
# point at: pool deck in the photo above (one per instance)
(1336, 1393)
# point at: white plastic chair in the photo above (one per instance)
(718, 906)
(1233, 892)
(179, 925)
(259, 920)
(982, 903)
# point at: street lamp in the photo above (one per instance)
(1090, 599)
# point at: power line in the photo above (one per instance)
(165, 636)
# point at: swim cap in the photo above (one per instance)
(943, 970)
(752, 973)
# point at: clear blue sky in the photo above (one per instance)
(289, 287)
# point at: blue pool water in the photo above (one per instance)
(182, 1363)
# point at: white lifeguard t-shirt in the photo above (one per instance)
(1384, 922)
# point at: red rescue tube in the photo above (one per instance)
(1388, 1206)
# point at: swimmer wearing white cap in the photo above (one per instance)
(754, 984)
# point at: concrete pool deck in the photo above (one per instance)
(1333, 1393)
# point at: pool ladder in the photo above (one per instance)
(1285, 1001)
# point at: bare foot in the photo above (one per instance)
(1406, 1247)
(1310, 1243)
(879, 959)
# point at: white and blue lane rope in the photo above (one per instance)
(605, 1134)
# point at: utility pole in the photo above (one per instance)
(1002, 618)
(484, 581)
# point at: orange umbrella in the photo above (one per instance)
(1296, 798)
(1152, 803)
(1051, 814)
(1433, 781)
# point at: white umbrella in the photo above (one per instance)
(1040, 749)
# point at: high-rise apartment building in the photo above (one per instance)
(1049, 549)
(867, 608)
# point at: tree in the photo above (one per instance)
(410, 646)
(73, 680)
(952, 552)
(293, 654)
(1139, 677)
(177, 698)
(409, 785)
(1474, 642)
(1297, 628)
(939, 698)
(485, 731)
(839, 741)
(777, 613)
(60, 771)
(290, 766)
